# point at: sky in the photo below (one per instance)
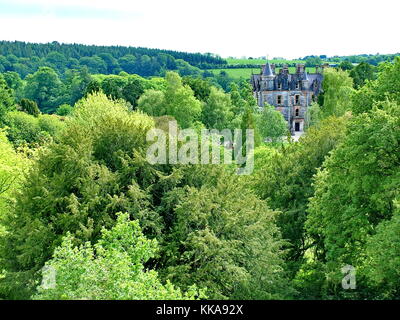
(246, 28)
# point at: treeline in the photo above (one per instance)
(25, 58)
(373, 59)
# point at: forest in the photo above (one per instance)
(79, 202)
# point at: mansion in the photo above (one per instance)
(290, 93)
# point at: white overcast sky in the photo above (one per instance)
(285, 28)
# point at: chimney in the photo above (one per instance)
(325, 66)
(300, 68)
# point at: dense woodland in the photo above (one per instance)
(77, 195)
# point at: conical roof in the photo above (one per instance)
(267, 71)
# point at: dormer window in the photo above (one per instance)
(279, 86)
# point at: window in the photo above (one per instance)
(297, 112)
(313, 97)
(297, 84)
(279, 86)
(279, 99)
(296, 99)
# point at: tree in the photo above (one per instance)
(64, 110)
(377, 92)
(201, 88)
(355, 190)
(382, 264)
(239, 104)
(313, 115)
(75, 84)
(44, 87)
(14, 82)
(133, 89)
(96, 168)
(7, 102)
(313, 61)
(346, 65)
(180, 101)
(30, 107)
(95, 64)
(112, 269)
(216, 113)
(152, 103)
(361, 73)
(222, 238)
(249, 122)
(283, 177)
(177, 101)
(56, 60)
(25, 129)
(337, 87)
(271, 124)
(74, 178)
(12, 167)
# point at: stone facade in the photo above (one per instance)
(290, 93)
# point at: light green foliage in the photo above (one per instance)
(283, 178)
(201, 215)
(271, 124)
(72, 187)
(180, 101)
(375, 93)
(239, 103)
(337, 89)
(112, 269)
(314, 115)
(382, 263)
(24, 128)
(152, 103)
(64, 110)
(177, 101)
(12, 165)
(216, 113)
(50, 124)
(355, 190)
(249, 122)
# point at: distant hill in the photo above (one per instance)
(25, 58)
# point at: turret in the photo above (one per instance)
(268, 76)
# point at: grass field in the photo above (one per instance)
(246, 72)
